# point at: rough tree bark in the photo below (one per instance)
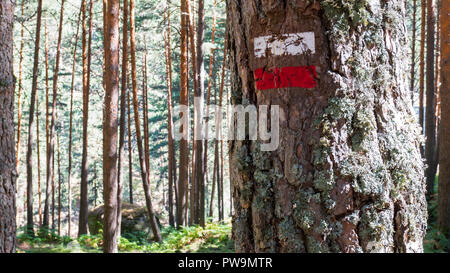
(347, 175)
(8, 172)
(444, 160)
(144, 168)
(31, 114)
(430, 117)
(110, 126)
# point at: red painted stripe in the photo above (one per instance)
(284, 77)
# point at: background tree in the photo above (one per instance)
(430, 123)
(123, 122)
(30, 222)
(422, 67)
(69, 168)
(184, 100)
(110, 127)
(50, 153)
(142, 161)
(84, 202)
(172, 172)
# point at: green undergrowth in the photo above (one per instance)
(213, 238)
(435, 241)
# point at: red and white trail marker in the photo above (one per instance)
(293, 44)
(285, 44)
(284, 77)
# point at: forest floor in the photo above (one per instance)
(214, 238)
(435, 241)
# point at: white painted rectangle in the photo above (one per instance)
(285, 44)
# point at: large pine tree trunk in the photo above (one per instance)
(444, 160)
(7, 157)
(347, 175)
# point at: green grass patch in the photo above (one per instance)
(213, 238)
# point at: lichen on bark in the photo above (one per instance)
(348, 175)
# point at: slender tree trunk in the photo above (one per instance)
(31, 113)
(444, 160)
(130, 148)
(110, 127)
(184, 100)
(19, 107)
(171, 155)
(199, 95)
(145, 112)
(7, 156)
(208, 98)
(59, 184)
(220, 181)
(38, 148)
(437, 74)
(46, 219)
(193, 212)
(123, 106)
(19, 96)
(430, 124)
(214, 181)
(51, 140)
(229, 163)
(422, 69)
(69, 168)
(413, 51)
(337, 181)
(144, 176)
(84, 202)
(53, 192)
